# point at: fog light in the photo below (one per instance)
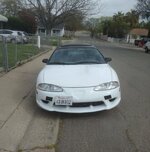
(107, 97)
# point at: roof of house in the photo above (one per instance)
(139, 31)
(3, 18)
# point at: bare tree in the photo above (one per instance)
(53, 12)
(10, 7)
(143, 8)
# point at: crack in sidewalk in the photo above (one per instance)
(23, 98)
(131, 140)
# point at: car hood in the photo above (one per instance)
(76, 75)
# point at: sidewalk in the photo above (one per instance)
(20, 118)
(121, 45)
(129, 46)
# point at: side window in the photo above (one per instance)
(4, 32)
(9, 32)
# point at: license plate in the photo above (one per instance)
(64, 101)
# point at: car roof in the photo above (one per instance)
(76, 45)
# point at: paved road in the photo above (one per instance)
(123, 129)
(25, 127)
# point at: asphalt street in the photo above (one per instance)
(24, 127)
(125, 128)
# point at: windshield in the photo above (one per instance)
(82, 55)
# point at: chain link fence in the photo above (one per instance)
(13, 53)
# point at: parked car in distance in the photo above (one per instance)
(147, 47)
(14, 36)
(141, 42)
(7, 34)
(77, 79)
(19, 37)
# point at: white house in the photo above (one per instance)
(56, 31)
(136, 33)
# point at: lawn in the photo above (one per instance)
(18, 52)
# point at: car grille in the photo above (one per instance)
(84, 104)
(87, 104)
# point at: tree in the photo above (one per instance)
(10, 7)
(143, 8)
(132, 18)
(74, 22)
(115, 26)
(23, 22)
(92, 25)
(14, 23)
(119, 26)
(50, 13)
(29, 21)
(53, 12)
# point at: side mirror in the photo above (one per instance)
(108, 60)
(45, 60)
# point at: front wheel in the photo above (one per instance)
(146, 50)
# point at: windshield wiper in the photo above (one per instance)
(87, 62)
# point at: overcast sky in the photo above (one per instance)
(110, 7)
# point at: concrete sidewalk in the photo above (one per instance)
(129, 46)
(23, 125)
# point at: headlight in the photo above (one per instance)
(107, 86)
(49, 87)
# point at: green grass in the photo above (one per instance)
(50, 41)
(18, 53)
(54, 41)
(67, 38)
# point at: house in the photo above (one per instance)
(2, 19)
(136, 33)
(56, 31)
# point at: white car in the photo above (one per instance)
(14, 36)
(7, 34)
(147, 47)
(77, 79)
(19, 37)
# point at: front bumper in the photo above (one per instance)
(85, 100)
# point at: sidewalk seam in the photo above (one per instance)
(23, 98)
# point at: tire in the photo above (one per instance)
(146, 50)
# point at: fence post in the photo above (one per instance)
(58, 41)
(5, 54)
(39, 42)
(16, 53)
